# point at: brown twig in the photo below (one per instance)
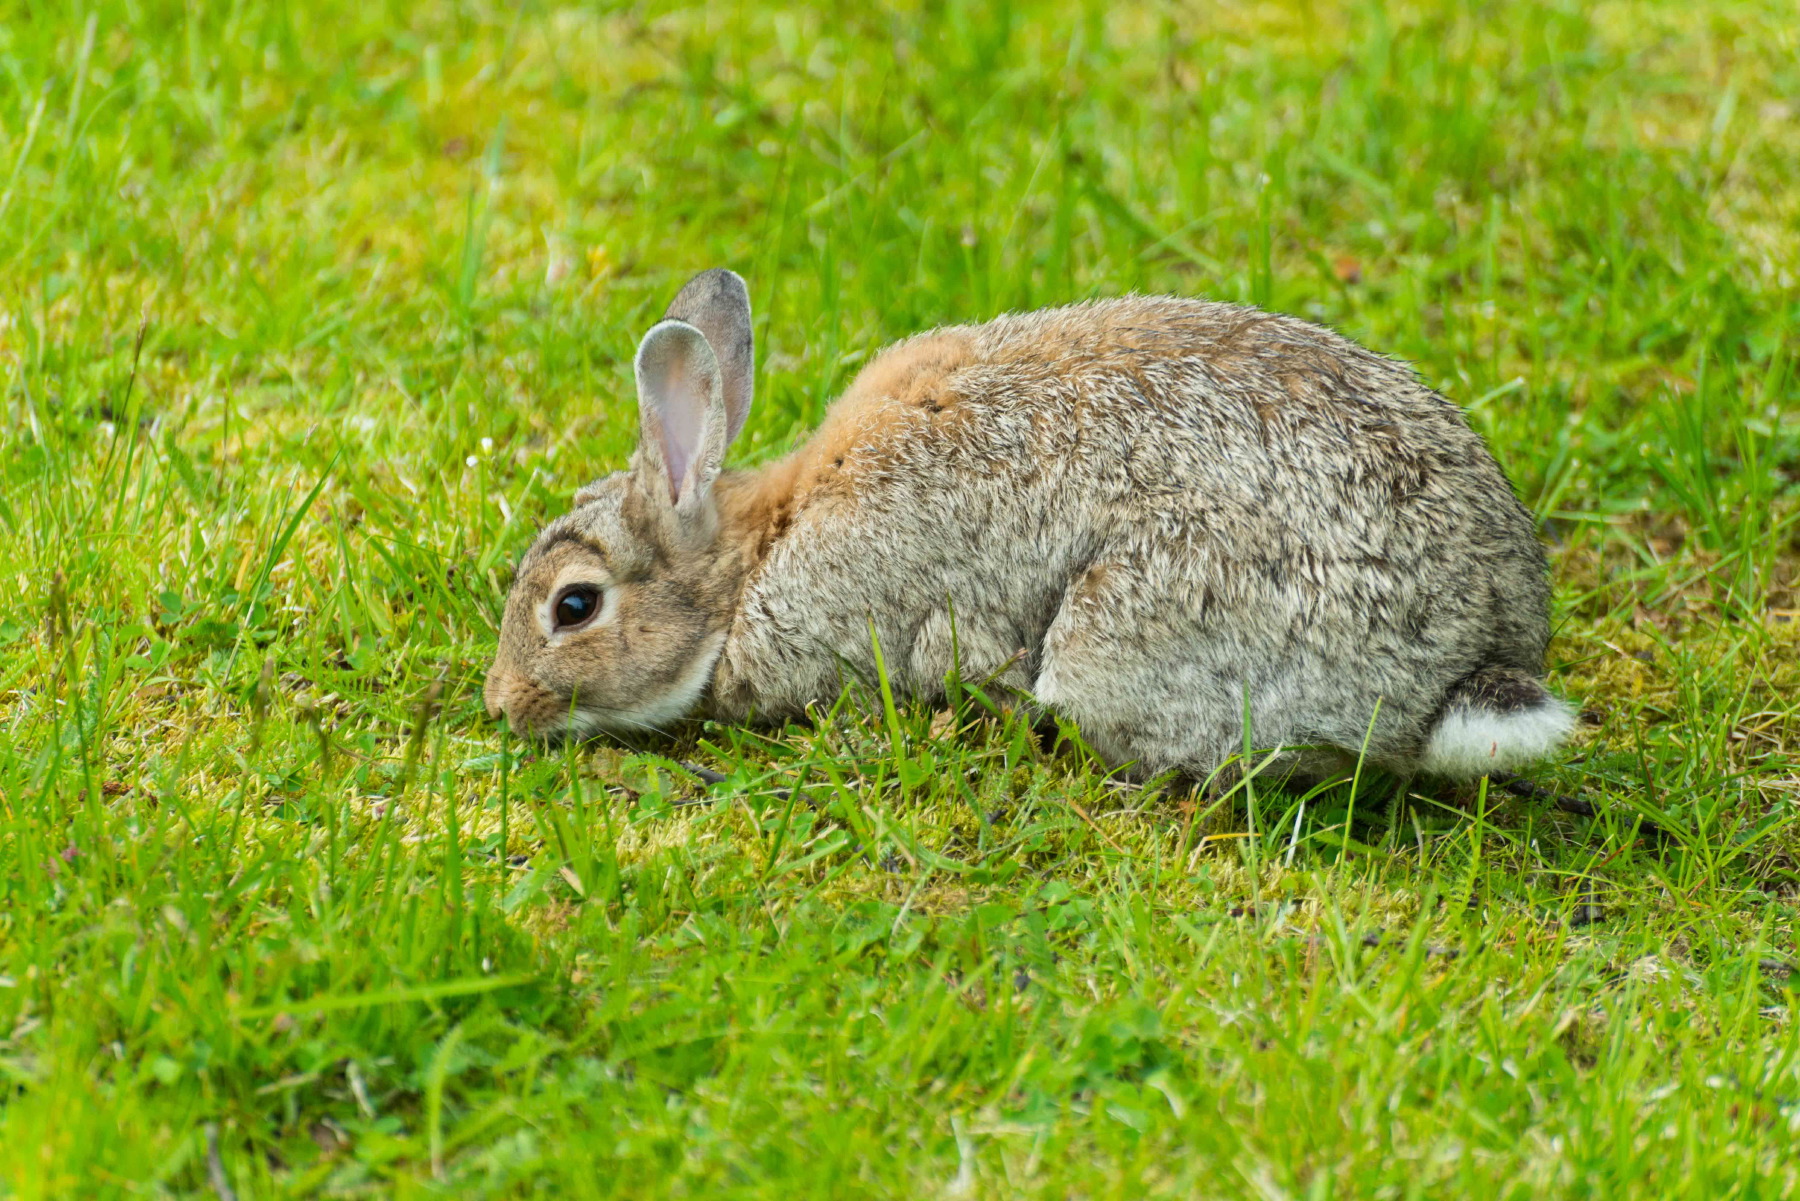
(1104, 836)
(1526, 790)
(707, 775)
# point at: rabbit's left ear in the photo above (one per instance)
(717, 303)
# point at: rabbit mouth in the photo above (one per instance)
(579, 718)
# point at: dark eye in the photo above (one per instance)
(576, 606)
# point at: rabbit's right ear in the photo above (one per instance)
(695, 372)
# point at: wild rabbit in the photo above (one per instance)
(1154, 515)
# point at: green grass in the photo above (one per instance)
(311, 313)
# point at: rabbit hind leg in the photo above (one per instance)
(1150, 690)
(977, 649)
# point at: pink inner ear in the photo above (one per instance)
(681, 410)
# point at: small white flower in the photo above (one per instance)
(487, 446)
(471, 461)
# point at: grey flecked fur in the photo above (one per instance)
(1137, 510)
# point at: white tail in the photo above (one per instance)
(1473, 739)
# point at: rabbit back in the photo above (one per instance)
(1158, 516)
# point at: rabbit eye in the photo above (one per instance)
(577, 606)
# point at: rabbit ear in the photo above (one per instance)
(681, 411)
(717, 304)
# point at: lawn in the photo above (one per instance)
(310, 315)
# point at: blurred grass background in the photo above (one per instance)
(309, 314)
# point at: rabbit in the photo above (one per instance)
(1159, 518)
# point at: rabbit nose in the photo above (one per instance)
(496, 694)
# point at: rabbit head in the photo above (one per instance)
(619, 609)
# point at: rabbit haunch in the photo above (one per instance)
(1152, 514)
